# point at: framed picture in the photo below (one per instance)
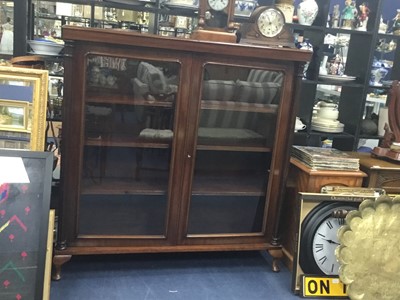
(25, 188)
(23, 104)
(14, 115)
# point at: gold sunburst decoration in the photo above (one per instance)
(369, 254)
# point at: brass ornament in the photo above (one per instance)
(368, 254)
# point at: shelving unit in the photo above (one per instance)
(351, 97)
(143, 16)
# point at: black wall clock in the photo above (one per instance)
(319, 238)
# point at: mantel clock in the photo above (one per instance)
(216, 21)
(267, 26)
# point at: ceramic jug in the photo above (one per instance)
(299, 125)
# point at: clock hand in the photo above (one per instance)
(331, 241)
(268, 19)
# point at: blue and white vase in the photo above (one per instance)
(244, 8)
(307, 11)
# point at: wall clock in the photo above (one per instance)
(267, 26)
(216, 21)
(319, 238)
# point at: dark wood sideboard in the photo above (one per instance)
(382, 173)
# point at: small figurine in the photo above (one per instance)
(362, 19)
(396, 23)
(94, 75)
(348, 15)
(60, 87)
(382, 26)
(336, 66)
(7, 39)
(335, 16)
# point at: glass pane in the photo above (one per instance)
(129, 117)
(123, 215)
(7, 27)
(226, 214)
(234, 145)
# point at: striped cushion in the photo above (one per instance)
(221, 90)
(256, 92)
(227, 119)
(265, 76)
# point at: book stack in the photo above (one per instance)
(318, 158)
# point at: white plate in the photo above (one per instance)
(327, 129)
(337, 78)
(327, 123)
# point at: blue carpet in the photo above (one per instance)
(189, 276)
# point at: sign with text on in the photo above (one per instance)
(323, 286)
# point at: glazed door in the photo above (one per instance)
(233, 153)
(129, 122)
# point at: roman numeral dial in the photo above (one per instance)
(324, 243)
(318, 240)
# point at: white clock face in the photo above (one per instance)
(218, 4)
(270, 22)
(324, 244)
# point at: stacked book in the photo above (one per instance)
(318, 158)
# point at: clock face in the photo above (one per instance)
(270, 22)
(319, 238)
(324, 244)
(218, 5)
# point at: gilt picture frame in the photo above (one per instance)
(23, 90)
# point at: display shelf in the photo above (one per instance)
(333, 83)
(359, 55)
(126, 141)
(123, 186)
(125, 100)
(239, 106)
(247, 148)
(348, 31)
(389, 36)
(229, 184)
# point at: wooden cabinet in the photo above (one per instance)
(173, 144)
